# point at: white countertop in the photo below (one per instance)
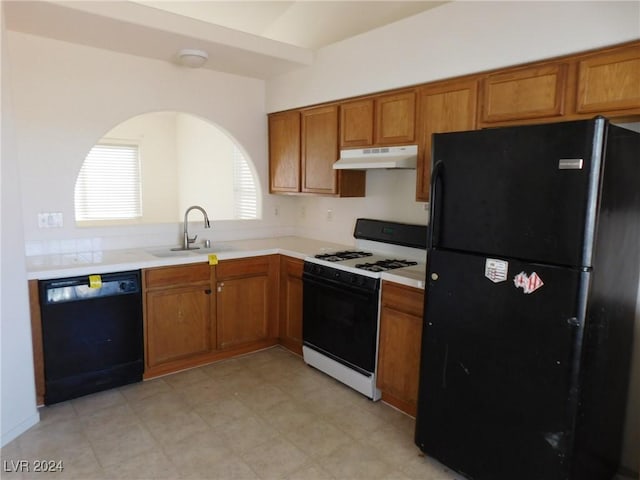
(45, 267)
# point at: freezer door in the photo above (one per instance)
(499, 366)
(527, 192)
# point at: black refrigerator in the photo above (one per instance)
(530, 300)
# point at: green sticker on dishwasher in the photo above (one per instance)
(95, 281)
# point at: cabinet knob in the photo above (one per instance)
(207, 291)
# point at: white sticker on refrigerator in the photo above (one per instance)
(528, 283)
(496, 270)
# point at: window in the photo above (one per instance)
(150, 168)
(244, 187)
(108, 185)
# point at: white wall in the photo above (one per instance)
(156, 137)
(64, 97)
(17, 387)
(454, 39)
(206, 164)
(67, 96)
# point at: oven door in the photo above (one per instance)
(341, 321)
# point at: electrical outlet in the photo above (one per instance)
(50, 220)
(276, 211)
(303, 212)
(329, 215)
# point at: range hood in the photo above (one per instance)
(378, 157)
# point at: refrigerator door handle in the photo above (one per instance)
(434, 208)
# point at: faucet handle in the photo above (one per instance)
(192, 240)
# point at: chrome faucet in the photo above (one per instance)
(186, 240)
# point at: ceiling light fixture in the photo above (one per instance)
(192, 58)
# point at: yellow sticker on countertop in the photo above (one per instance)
(213, 259)
(95, 281)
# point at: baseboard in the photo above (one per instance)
(19, 429)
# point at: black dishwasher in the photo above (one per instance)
(91, 333)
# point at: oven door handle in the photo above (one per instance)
(340, 286)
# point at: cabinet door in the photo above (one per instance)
(609, 81)
(356, 123)
(442, 107)
(319, 149)
(247, 304)
(524, 93)
(291, 303)
(284, 152)
(178, 323)
(399, 346)
(395, 117)
(243, 310)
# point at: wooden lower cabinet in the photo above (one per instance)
(291, 303)
(399, 345)
(178, 321)
(36, 340)
(188, 322)
(246, 291)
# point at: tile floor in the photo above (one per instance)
(266, 415)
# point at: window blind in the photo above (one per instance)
(108, 186)
(244, 188)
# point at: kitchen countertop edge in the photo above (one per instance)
(46, 267)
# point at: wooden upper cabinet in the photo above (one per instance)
(303, 146)
(356, 123)
(284, 152)
(534, 92)
(609, 81)
(319, 149)
(320, 152)
(395, 119)
(448, 106)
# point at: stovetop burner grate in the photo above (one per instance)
(384, 265)
(343, 255)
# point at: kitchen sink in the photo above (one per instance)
(168, 253)
(215, 248)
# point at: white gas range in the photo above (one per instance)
(341, 294)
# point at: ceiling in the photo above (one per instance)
(307, 24)
(258, 39)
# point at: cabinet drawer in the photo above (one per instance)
(245, 267)
(291, 266)
(400, 297)
(180, 274)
